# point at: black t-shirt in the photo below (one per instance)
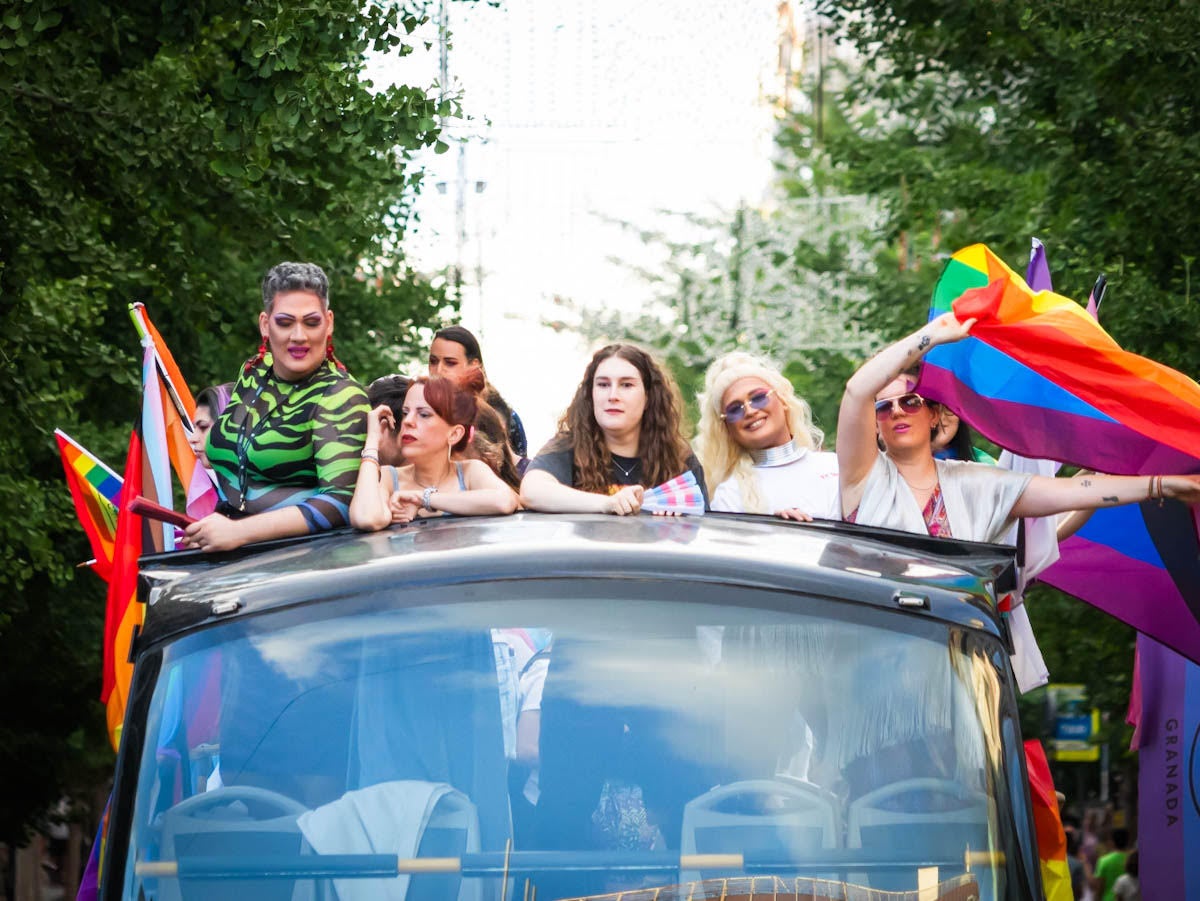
(625, 470)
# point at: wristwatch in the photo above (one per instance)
(426, 495)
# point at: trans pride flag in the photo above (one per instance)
(167, 413)
(680, 495)
(1040, 377)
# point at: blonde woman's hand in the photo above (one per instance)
(795, 514)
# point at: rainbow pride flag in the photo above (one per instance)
(1040, 377)
(122, 612)
(1047, 823)
(95, 489)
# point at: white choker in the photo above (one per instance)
(778, 456)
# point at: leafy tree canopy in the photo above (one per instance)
(168, 152)
(1075, 121)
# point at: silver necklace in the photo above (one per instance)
(778, 456)
(628, 473)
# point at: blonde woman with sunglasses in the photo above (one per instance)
(758, 445)
(903, 487)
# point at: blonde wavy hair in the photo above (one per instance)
(716, 450)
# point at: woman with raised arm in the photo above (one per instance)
(286, 449)
(434, 427)
(902, 486)
(758, 445)
(622, 433)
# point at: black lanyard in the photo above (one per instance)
(245, 435)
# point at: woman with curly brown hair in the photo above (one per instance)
(622, 433)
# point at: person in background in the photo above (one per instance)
(435, 427)
(622, 433)
(210, 404)
(389, 391)
(903, 487)
(954, 440)
(386, 396)
(758, 445)
(453, 354)
(1128, 887)
(1076, 865)
(285, 451)
(1110, 866)
(491, 446)
(1090, 845)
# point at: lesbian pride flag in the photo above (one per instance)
(1040, 377)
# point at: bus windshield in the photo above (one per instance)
(577, 739)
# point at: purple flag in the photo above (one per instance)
(1037, 273)
(1169, 773)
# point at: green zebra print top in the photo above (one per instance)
(284, 444)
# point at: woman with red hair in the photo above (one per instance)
(435, 428)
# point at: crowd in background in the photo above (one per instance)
(1102, 859)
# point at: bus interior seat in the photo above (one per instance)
(792, 819)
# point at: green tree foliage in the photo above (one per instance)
(1075, 121)
(168, 152)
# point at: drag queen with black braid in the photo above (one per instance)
(286, 450)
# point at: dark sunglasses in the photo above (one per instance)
(909, 403)
(737, 410)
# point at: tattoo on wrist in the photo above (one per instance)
(923, 343)
(1111, 500)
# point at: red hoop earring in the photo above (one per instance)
(257, 358)
(331, 356)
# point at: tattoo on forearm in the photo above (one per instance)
(923, 343)
(1111, 500)
(1086, 483)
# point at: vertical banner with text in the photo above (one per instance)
(1169, 773)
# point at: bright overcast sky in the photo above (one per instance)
(583, 111)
